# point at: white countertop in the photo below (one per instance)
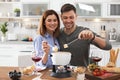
(16, 42)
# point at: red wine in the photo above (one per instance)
(96, 59)
(36, 59)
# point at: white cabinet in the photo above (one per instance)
(7, 9)
(10, 53)
(34, 9)
(40, 1)
(27, 8)
(56, 5)
(114, 9)
(89, 9)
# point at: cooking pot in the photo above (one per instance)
(61, 58)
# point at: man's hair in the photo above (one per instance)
(67, 7)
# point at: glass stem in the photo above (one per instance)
(96, 63)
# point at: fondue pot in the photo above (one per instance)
(61, 58)
(60, 62)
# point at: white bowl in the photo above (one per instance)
(61, 58)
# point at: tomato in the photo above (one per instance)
(94, 73)
(102, 72)
(96, 70)
(98, 73)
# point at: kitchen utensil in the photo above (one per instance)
(66, 45)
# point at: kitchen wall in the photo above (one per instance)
(22, 30)
(96, 26)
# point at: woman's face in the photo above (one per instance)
(51, 23)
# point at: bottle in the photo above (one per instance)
(103, 31)
(113, 34)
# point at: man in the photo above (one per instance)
(80, 48)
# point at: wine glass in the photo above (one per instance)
(96, 57)
(35, 59)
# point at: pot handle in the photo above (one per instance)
(51, 55)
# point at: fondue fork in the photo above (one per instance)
(72, 41)
(66, 45)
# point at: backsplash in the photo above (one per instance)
(96, 27)
(22, 30)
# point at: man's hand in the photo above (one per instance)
(86, 34)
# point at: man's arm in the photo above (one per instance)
(96, 40)
(101, 43)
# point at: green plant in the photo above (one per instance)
(3, 28)
(16, 10)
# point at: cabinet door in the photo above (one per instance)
(33, 9)
(114, 9)
(7, 9)
(9, 53)
(88, 10)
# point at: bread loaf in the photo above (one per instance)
(28, 70)
(111, 69)
(113, 58)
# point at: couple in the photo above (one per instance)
(51, 35)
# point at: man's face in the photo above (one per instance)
(69, 19)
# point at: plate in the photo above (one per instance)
(111, 69)
(40, 68)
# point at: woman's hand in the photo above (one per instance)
(45, 47)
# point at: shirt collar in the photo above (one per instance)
(47, 35)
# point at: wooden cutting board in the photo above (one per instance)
(106, 76)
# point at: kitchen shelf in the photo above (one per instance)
(27, 9)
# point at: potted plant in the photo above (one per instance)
(17, 11)
(3, 29)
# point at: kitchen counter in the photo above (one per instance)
(5, 70)
(31, 42)
(115, 43)
(44, 75)
(17, 42)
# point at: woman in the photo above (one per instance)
(48, 32)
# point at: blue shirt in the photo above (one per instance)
(38, 48)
